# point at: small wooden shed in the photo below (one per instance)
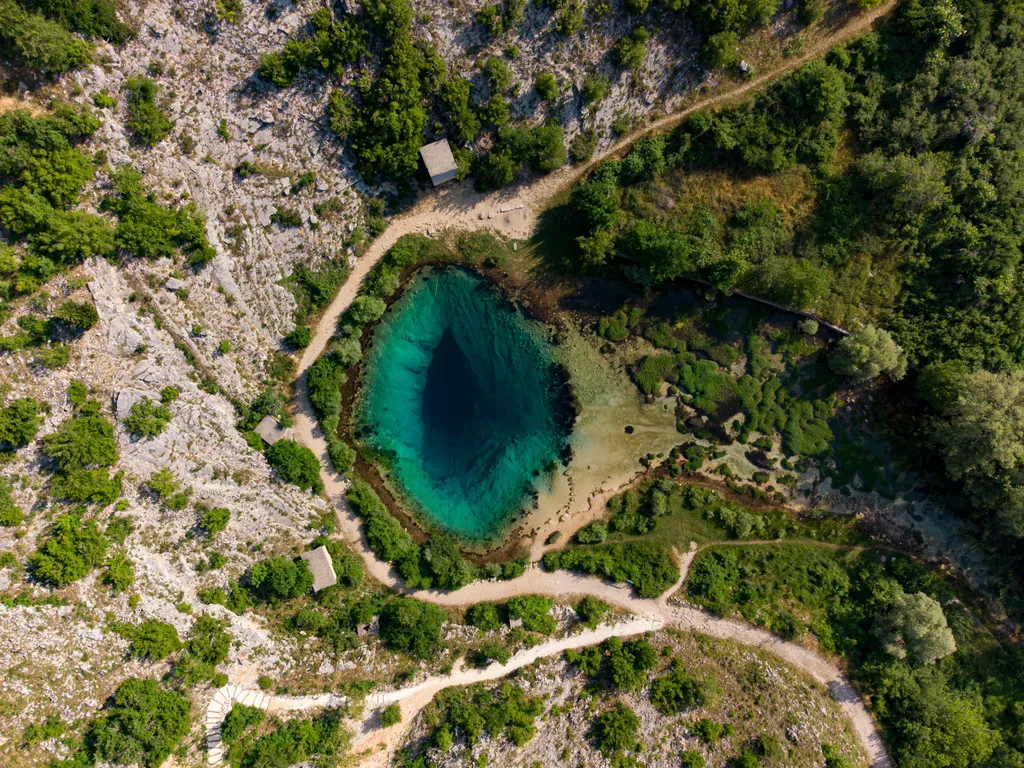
(270, 429)
(320, 565)
(440, 161)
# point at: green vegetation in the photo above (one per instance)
(213, 520)
(148, 230)
(533, 610)
(590, 611)
(331, 46)
(939, 683)
(145, 118)
(147, 419)
(10, 514)
(295, 464)
(19, 422)
(142, 725)
(469, 713)
(154, 640)
(866, 354)
(438, 563)
(71, 551)
(238, 721)
(546, 86)
(411, 626)
(295, 742)
(616, 730)
(390, 715)
(649, 568)
(541, 148)
(280, 578)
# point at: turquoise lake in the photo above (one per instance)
(463, 401)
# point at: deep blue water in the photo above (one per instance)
(463, 399)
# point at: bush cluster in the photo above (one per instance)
(648, 567)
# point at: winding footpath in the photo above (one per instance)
(513, 213)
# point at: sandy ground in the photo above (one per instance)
(513, 213)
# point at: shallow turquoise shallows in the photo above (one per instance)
(463, 401)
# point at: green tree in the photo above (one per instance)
(866, 354)
(120, 573)
(296, 464)
(154, 640)
(533, 610)
(71, 551)
(145, 119)
(147, 419)
(485, 616)
(915, 629)
(630, 50)
(546, 86)
(616, 730)
(209, 640)
(412, 626)
(280, 578)
(19, 422)
(390, 715)
(720, 51)
(213, 520)
(142, 725)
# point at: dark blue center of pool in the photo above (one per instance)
(462, 397)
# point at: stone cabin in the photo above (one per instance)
(320, 565)
(440, 161)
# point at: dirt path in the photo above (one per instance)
(513, 212)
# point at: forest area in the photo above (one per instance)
(903, 149)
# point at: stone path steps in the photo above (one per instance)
(223, 700)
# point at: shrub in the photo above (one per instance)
(145, 118)
(590, 611)
(19, 422)
(295, 464)
(154, 640)
(280, 578)
(546, 86)
(647, 566)
(745, 759)
(120, 573)
(593, 533)
(390, 715)
(595, 88)
(213, 520)
(209, 641)
(77, 315)
(34, 41)
(720, 50)
(533, 610)
(72, 550)
(679, 690)
(10, 515)
(629, 51)
(616, 730)
(286, 218)
(142, 725)
(582, 147)
(147, 419)
(867, 353)
(299, 337)
(412, 626)
(239, 720)
(485, 616)
(691, 759)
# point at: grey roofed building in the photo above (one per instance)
(321, 567)
(270, 429)
(440, 161)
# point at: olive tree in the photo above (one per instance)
(915, 629)
(866, 354)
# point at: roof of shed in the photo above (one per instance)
(438, 158)
(321, 567)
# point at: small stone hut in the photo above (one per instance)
(320, 565)
(440, 161)
(270, 429)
